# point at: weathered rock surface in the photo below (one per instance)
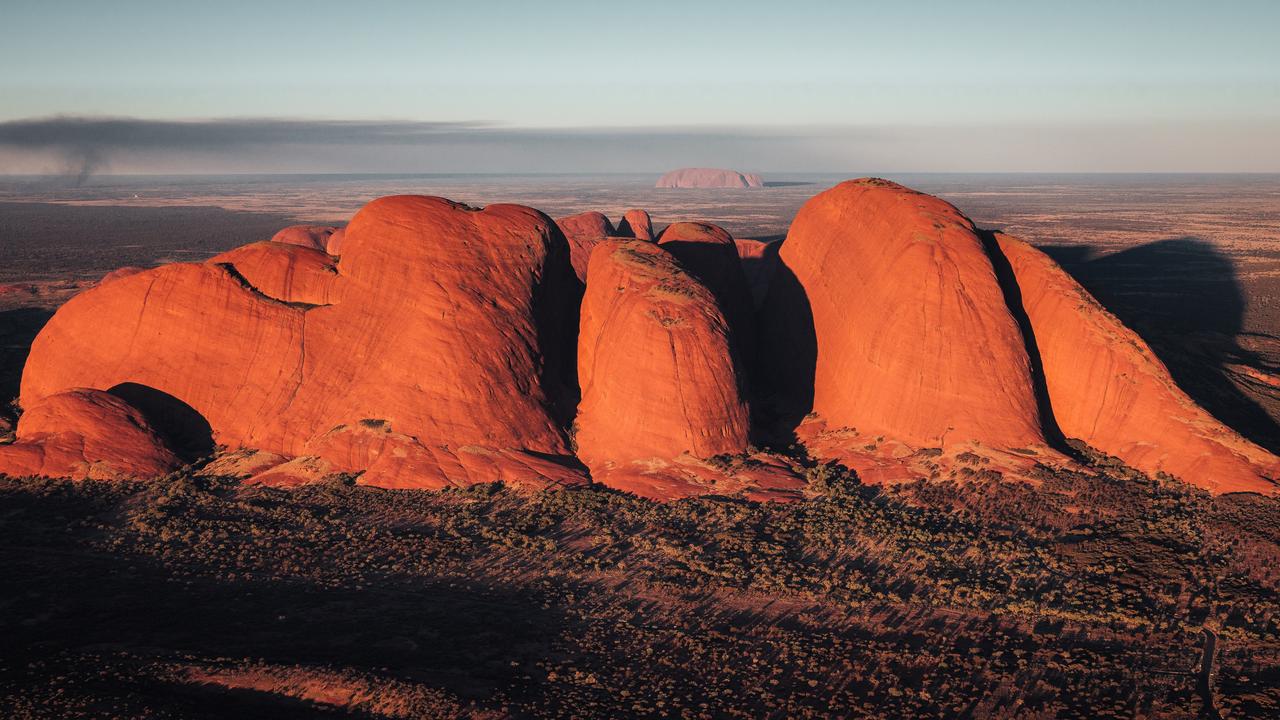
(636, 224)
(315, 237)
(290, 273)
(708, 178)
(1107, 388)
(583, 231)
(429, 345)
(85, 434)
(708, 253)
(910, 336)
(451, 324)
(334, 245)
(661, 388)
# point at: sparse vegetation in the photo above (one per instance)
(1082, 597)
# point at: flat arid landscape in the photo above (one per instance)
(720, 359)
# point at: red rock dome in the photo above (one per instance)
(315, 237)
(291, 273)
(636, 224)
(658, 377)
(1108, 388)
(910, 336)
(583, 231)
(484, 298)
(85, 434)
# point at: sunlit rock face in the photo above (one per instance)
(85, 435)
(636, 224)
(583, 231)
(448, 326)
(316, 237)
(1108, 388)
(908, 332)
(429, 344)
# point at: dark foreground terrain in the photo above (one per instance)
(1101, 594)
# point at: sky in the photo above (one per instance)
(491, 86)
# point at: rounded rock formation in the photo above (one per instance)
(1107, 387)
(636, 224)
(657, 372)
(583, 231)
(708, 253)
(315, 237)
(453, 325)
(886, 308)
(85, 434)
(334, 245)
(290, 273)
(708, 178)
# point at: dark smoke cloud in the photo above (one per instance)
(88, 145)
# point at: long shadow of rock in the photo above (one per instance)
(18, 329)
(66, 600)
(184, 429)
(787, 357)
(1184, 298)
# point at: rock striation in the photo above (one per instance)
(429, 344)
(910, 336)
(1107, 388)
(483, 298)
(708, 178)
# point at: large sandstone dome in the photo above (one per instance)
(708, 178)
(911, 337)
(429, 344)
(450, 326)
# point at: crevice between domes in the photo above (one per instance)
(1012, 293)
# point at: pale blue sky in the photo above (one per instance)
(1197, 80)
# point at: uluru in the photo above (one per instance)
(708, 178)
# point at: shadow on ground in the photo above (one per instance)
(1184, 297)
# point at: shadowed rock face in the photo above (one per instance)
(759, 261)
(911, 335)
(708, 253)
(85, 434)
(636, 224)
(450, 325)
(708, 178)
(654, 363)
(657, 373)
(1107, 387)
(583, 231)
